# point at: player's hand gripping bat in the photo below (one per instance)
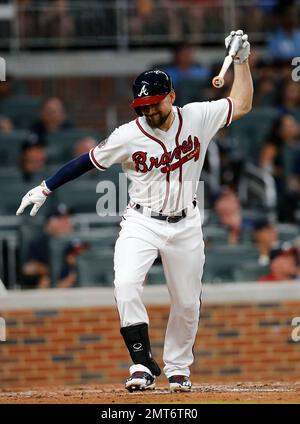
(235, 45)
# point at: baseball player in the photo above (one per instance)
(161, 150)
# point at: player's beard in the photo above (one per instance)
(157, 119)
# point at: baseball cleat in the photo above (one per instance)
(180, 383)
(140, 380)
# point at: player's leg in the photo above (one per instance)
(135, 252)
(183, 260)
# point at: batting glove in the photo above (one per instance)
(36, 197)
(243, 53)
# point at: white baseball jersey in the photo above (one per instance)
(164, 166)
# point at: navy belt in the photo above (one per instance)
(169, 218)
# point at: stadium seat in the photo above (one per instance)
(10, 147)
(221, 261)
(9, 271)
(189, 90)
(102, 240)
(287, 232)
(82, 197)
(96, 269)
(61, 144)
(155, 275)
(13, 188)
(11, 194)
(79, 195)
(214, 234)
(253, 215)
(93, 222)
(9, 174)
(296, 114)
(291, 153)
(249, 132)
(249, 271)
(22, 110)
(28, 230)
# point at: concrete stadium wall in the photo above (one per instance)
(72, 336)
(96, 63)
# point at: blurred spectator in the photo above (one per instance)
(53, 118)
(12, 87)
(56, 21)
(84, 145)
(230, 162)
(265, 235)
(32, 159)
(6, 125)
(193, 16)
(284, 133)
(7, 88)
(294, 178)
(257, 15)
(282, 69)
(285, 130)
(144, 10)
(289, 97)
(229, 212)
(184, 66)
(144, 7)
(149, 18)
(296, 245)
(68, 275)
(223, 166)
(285, 43)
(187, 74)
(36, 272)
(264, 80)
(283, 264)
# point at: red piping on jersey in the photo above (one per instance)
(95, 161)
(229, 111)
(180, 169)
(165, 151)
(151, 136)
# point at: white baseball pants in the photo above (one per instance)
(181, 248)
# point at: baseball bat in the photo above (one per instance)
(218, 81)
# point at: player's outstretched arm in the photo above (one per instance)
(242, 88)
(38, 195)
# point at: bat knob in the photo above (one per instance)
(218, 82)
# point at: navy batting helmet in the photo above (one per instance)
(149, 88)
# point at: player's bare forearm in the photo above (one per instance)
(242, 90)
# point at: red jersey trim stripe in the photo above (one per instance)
(230, 112)
(94, 160)
(151, 136)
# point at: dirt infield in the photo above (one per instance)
(115, 394)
